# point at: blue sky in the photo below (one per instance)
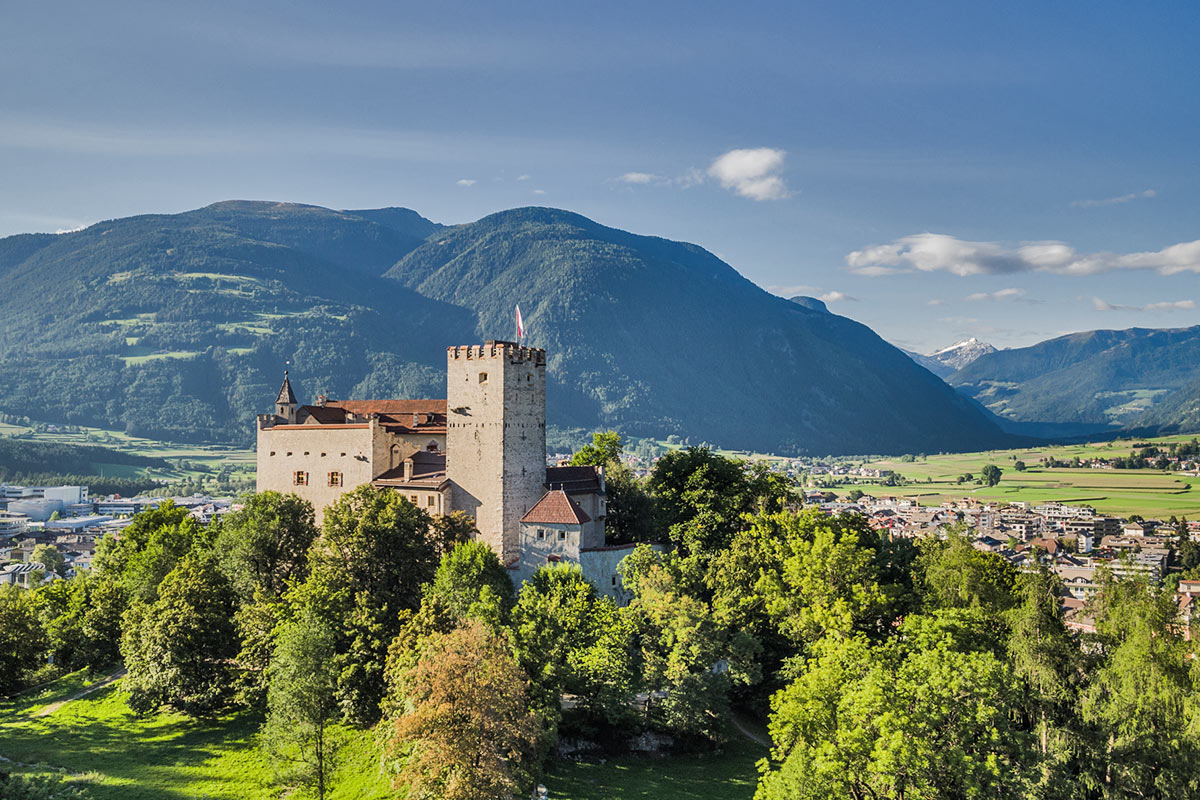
(910, 162)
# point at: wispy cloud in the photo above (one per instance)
(936, 252)
(523, 177)
(999, 296)
(1170, 305)
(752, 173)
(539, 191)
(836, 297)
(465, 182)
(1114, 201)
(934, 301)
(638, 177)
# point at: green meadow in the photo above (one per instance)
(97, 742)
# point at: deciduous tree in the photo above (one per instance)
(465, 730)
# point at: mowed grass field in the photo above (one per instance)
(1148, 492)
(98, 743)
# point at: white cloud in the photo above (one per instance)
(836, 297)
(76, 229)
(1003, 294)
(522, 177)
(934, 301)
(690, 177)
(793, 290)
(752, 173)
(1112, 201)
(465, 182)
(638, 177)
(936, 252)
(1176, 305)
(539, 191)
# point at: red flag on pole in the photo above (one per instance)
(520, 325)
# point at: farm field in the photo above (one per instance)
(191, 463)
(99, 743)
(1147, 492)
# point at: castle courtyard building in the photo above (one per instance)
(481, 451)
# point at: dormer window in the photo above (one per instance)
(483, 377)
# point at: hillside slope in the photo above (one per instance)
(177, 327)
(654, 337)
(1102, 378)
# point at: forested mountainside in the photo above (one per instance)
(178, 326)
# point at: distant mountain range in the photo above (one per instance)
(1093, 381)
(178, 326)
(950, 359)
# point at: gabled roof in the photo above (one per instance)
(286, 395)
(555, 508)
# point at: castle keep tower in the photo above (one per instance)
(496, 437)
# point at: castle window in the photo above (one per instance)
(335, 479)
(413, 499)
(322, 455)
(614, 580)
(289, 452)
(429, 501)
(300, 478)
(541, 534)
(483, 377)
(272, 452)
(562, 535)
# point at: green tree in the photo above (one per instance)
(991, 474)
(149, 548)
(463, 730)
(1142, 697)
(302, 702)
(369, 564)
(178, 648)
(952, 573)
(855, 495)
(264, 545)
(1046, 658)
(48, 556)
(685, 653)
(930, 719)
(630, 507)
(570, 639)
(22, 640)
(470, 581)
(605, 449)
(1019, 466)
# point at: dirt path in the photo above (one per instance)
(46, 711)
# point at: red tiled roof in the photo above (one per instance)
(555, 508)
(421, 416)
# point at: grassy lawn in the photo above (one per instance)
(99, 743)
(729, 775)
(102, 745)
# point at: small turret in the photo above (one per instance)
(285, 403)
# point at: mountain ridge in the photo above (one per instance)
(177, 326)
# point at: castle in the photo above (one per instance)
(481, 451)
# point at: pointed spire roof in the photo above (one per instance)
(286, 395)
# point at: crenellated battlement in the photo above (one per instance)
(494, 348)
